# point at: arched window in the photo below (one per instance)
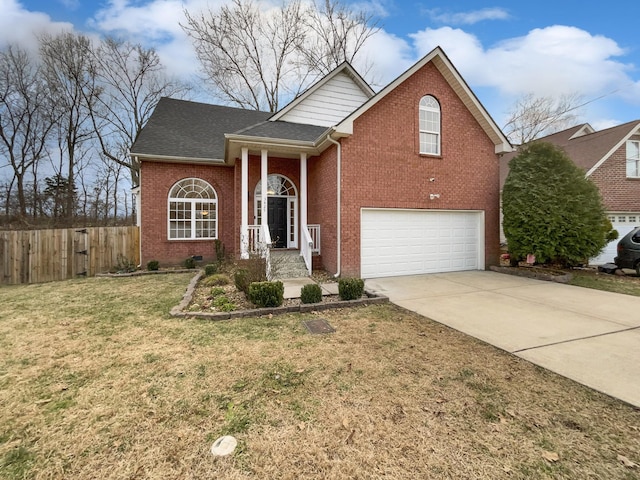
(193, 210)
(429, 125)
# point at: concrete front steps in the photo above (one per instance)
(287, 264)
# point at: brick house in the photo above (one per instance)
(365, 184)
(611, 159)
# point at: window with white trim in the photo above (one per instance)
(633, 158)
(429, 122)
(193, 210)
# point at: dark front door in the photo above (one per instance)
(277, 214)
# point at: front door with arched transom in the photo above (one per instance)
(282, 210)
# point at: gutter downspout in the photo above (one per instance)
(338, 228)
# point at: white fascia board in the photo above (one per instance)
(631, 133)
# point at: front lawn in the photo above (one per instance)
(98, 381)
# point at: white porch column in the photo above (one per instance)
(263, 185)
(244, 204)
(303, 190)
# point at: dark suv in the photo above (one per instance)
(629, 251)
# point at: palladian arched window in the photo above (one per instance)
(193, 210)
(429, 125)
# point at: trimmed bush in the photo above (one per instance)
(190, 263)
(266, 294)
(311, 293)
(153, 265)
(350, 288)
(210, 269)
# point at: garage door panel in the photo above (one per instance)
(409, 242)
(623, 223)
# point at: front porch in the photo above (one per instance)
(279, 210)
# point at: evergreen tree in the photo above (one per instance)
(551, 210)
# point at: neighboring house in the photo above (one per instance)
(611, 159)
(403, 181)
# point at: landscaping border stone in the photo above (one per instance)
(179, 310)
(534, 273)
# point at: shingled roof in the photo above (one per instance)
(191, 130)
(586, 150)
(184, 129)
(284, 131)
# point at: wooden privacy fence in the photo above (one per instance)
(33, 256)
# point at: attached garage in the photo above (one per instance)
(623, 223)
(411, 242)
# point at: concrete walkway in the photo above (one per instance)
(590, 336)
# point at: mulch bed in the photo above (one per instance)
(198, 302)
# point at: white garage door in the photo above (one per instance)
(410, 242)
(623, 223)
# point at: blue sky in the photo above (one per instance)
(503, 50)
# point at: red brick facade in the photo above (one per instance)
(380, 167)
(619, 193)
(156, 179)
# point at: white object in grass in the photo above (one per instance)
(224, 446)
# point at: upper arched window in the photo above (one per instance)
(193, 210)
(429, 125)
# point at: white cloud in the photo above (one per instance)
(553, 61)
(20, 26)
(468, 18)
(154, 24)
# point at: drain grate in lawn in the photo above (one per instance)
(318, 325)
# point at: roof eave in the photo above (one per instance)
(178, 159)
(286, 148)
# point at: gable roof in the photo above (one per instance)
(587, 148)
(180, 129)
(455, 80)
(329, 100)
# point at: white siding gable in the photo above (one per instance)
(329, 104)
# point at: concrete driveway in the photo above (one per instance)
(590, 336)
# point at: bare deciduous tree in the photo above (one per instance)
(26, 118)
(132, 82)
(71, 78)
(257, 57)
(532, 117)
(339, 34)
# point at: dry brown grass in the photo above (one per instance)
(97, 381)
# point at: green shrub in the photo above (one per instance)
(153, 265)
(210, 269)
(217, 280)
(190, 263)
(224, 304)
(350, 288)
(266, 294)
(311, 293)
(217, 291)
(550, 209)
